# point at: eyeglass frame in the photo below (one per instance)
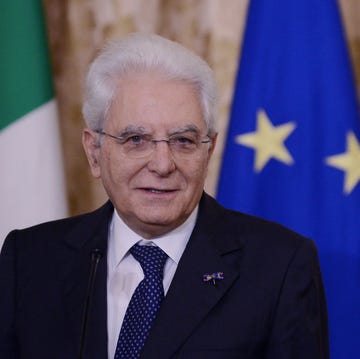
(152, 140)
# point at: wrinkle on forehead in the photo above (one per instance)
(147, 97)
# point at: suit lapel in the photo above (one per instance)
(74, 262)
(190, 299)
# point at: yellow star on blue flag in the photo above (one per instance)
(268, 141)
(349, 162)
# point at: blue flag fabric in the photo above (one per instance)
(292, 153)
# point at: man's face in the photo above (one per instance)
(156, 193)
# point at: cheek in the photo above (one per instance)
(113, 172)
(195, 172)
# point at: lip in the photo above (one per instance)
(158, 192)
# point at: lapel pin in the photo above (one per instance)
(216, 276)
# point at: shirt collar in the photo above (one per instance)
(122, 238)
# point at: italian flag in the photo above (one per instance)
(32, 188)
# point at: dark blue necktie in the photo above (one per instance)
(144, 303)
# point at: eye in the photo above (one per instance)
(135, 139)
(183, 140)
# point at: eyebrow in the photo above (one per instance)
(140, 130)
(187, 128)
(129, 130)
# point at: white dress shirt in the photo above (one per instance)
(125, 272)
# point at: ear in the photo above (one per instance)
(91, 146)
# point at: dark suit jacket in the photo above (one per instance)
(270, 303)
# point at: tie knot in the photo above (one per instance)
(151, 258)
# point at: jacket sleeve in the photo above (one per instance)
(8, 299)
(300, 326)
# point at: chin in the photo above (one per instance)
(157, 219)
(161, 217)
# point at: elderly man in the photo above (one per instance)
(161, 270)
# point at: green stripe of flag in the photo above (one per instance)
(25, 81)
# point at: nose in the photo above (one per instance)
(161, 160)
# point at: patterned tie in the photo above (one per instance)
(144, 303)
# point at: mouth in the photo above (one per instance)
(158, 191)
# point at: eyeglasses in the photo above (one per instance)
(184, 144)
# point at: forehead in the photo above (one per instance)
(154, 102)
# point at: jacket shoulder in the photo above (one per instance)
(257, 235)
(60, 228)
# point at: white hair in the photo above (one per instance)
(145, 52)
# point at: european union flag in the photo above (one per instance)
(293, 152)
